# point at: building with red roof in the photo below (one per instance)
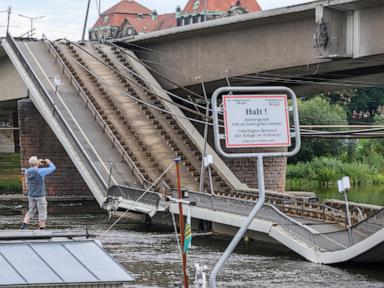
(196, 11)
(129, 18)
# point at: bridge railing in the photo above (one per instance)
(331, 241)
(303, 207)
(356, 234)
(46, 97)
(135, 195)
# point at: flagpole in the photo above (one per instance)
(181, 223)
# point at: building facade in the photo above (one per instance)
(129, 18)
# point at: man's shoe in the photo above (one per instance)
(23, 226)
(42, 228)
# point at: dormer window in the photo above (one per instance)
(196, 5)
(106, 18)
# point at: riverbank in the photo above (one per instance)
(10, 173)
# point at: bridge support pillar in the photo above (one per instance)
(334, 32)
(274, 172)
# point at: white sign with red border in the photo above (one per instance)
(256, 121)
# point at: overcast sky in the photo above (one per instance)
(65, 18)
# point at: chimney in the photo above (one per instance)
(155, 15)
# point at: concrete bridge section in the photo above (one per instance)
(88, 135)
(98, 123)
(316, 240)
(301, 46)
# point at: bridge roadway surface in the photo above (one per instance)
(91, 151)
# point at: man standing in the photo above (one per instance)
(35, 178)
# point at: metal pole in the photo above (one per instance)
(85, 21)
(202, 170)
(111, 165)
(181, 223)
(30, 33)
(205, 10)
(243, 229)
(9, 17)
(348, 217)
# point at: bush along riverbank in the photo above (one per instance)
(10, 173)
(325, 171)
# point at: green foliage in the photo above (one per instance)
(324, 161)
(318, 111)
(367, 100)
(326, 170)
(9, 173)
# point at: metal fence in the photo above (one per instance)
(331, 241)
(134, 194)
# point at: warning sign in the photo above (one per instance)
(256, 121)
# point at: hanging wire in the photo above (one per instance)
(278, 78)
(300, 82)
(158, 73)
(145, 88)
(138, 99)
(149, 82)
(138, 199)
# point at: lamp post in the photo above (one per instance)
(344, 186)
(85, 21)
(31, 19)
(205, 10)
(9, 10)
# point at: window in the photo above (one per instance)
(196, 4)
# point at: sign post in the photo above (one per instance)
(254, 117)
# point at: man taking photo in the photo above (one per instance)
(35, 178)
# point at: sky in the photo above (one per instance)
(65, 18)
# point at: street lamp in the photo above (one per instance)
(32, 19)
(9, 16)
(344, 186)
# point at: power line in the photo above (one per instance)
(138, 99)
(350, 83)
(172, 102)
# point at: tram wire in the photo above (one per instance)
(166, 111)
(145, 88)
(138, 99)
(353, 83)
(304, 133)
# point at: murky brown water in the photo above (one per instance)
(153, 259)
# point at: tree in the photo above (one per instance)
(367, 100)
(318, 111)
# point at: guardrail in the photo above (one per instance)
(136, 195)
(115, 142)
(57, 114)
(331, 241)
(304, 207)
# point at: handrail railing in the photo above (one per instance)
(49, 100)
(115, 141)
(331, 241)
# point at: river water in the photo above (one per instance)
(151, 256)
(371, 194)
